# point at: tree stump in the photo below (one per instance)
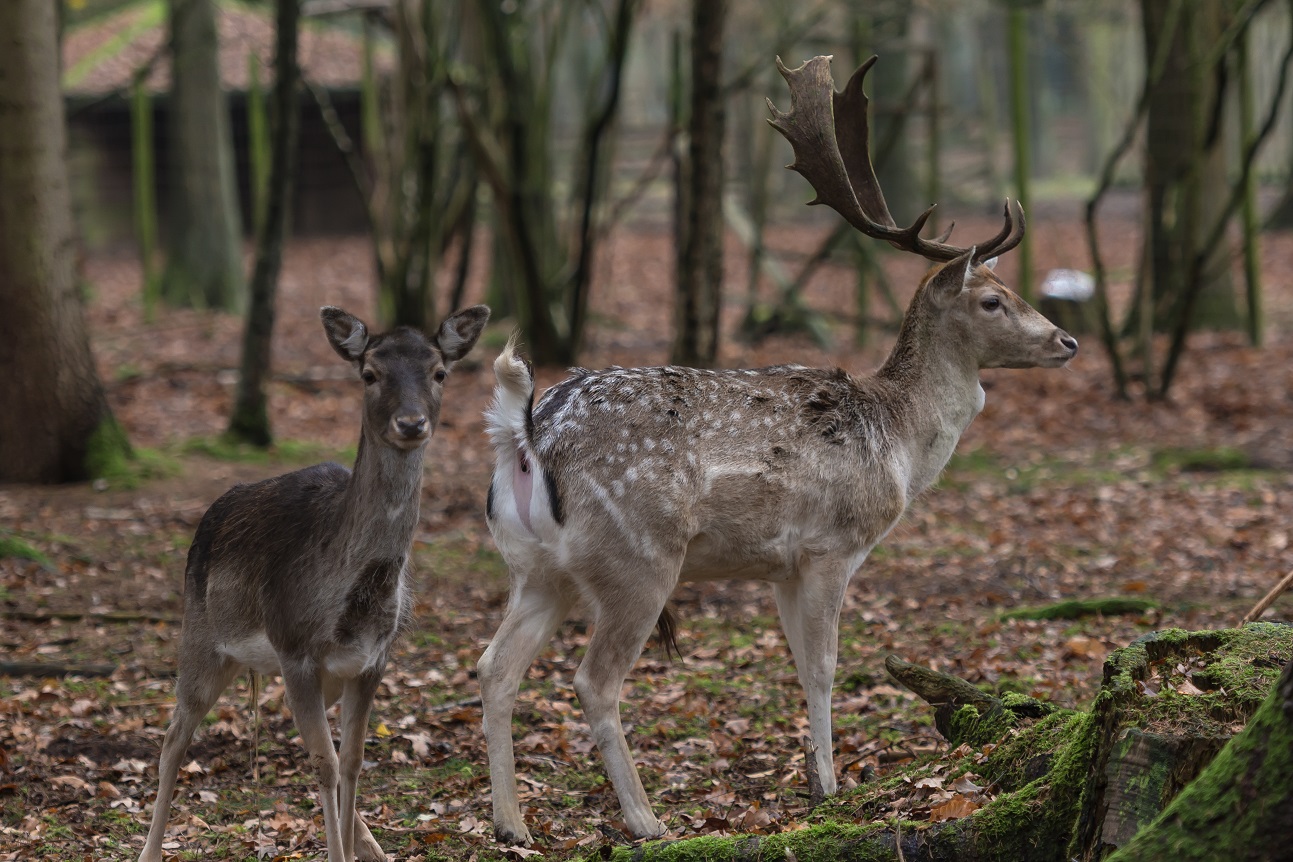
(1071, 784)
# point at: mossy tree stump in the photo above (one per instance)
(1063, 784)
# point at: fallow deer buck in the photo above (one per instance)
(620, 483)
(305, 574)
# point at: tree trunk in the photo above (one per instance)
(55, 425)
(700, 259)
(1185, 170)
(250, 420)
(203, 244)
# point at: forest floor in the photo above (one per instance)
(1057, 491)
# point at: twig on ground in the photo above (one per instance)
(1267, 600)
(816, 793)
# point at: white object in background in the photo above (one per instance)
(1070, 284)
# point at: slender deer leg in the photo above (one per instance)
(356, 704)
(305, 698)
(195, 694)
(810, 615)
(533, 615)
(622, 629)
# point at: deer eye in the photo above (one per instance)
(369, 376)
(991, 303)
(439, 375)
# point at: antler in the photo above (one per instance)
(835, 158)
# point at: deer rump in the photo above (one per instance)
(698, 474)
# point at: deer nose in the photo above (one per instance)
(411, 427)
(1069, 342)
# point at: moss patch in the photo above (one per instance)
(108, 454)
(1077, 608)
(15, 548)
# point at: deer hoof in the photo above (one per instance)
(653, 829)
(512, 837)
(366, 847)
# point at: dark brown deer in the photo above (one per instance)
(620, 483)
(305, 574)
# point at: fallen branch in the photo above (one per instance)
(44, 669)
(816, 793)
(1267, 600)
(938, 688)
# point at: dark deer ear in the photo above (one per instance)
(346, 333)
(949, 281)
(458, 334)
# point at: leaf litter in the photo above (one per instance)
(1057, 492)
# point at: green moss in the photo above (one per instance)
(831, 841)
(228, 448)
(14, 547)
(968, 726)
(108, 454)
(1221, 458)
(1077, 608)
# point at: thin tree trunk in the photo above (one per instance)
(700, 260)
(250, 420)
(1022, 134)
(55, 424)
(203, 244)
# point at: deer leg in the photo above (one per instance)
(622, 629)
(304, 691)
(356, 704)
(196, 692)
(533, 614)
(810, 615)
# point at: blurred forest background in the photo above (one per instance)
(183, 183)
(503, 145)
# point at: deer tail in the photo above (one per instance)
(508, 420)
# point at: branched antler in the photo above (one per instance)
(828, 131)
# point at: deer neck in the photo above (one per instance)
(935, 382)
(380, 509)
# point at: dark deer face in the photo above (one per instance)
(403, 371)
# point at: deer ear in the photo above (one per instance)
(949, 281)
(991, 263)
(458, 334)
(346, 333)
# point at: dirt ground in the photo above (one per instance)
(1057, 491)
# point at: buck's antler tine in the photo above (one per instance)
(830, 137)
(1012, 233)
(989, 248)
(849, 188)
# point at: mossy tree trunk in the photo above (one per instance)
(204, 237)
(55, 424)
(250, 420)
